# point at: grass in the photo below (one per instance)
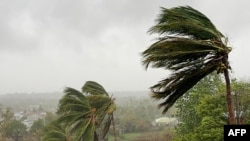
(144, 136)
(126, 137)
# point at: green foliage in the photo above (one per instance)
(193, 23)
(36, 130)
(50, 117)
(94, 88)
(165, 135)
(56, 132)
(14, 129)
(202, 110)
(190, 46)
(6, 114)
(241, 95)
(84, 115)
(6, 117)
(141, 114)
(198, 106)
(211, 109)
(187, 114)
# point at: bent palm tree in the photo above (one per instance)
(82, 113)
(191, 47)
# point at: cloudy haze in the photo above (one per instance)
(47, 45)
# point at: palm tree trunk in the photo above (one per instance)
(95, 136)
(229, 98)
(113, 124)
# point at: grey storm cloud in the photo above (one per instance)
(27, 24)
(48, 44)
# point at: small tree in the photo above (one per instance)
(6, 117)
(37, 128)
(201, 111)
(15, 129)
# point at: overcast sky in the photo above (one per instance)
(46, 45)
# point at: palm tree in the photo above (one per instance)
(82, 113)
(191, 47)
(55, 131)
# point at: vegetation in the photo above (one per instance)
(164, 135)
(57, 132)
(241, 99)
(138, 124)
(15, 129)
(36, 130)
(191, 47)
(83, 116)
(193, 111)
(10, 127)
(202, 111)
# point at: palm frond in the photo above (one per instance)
(72, 104)
(172, 88)
(86, 132)
(73, 118)
(185, 21)
(98, 101)
(93, 88)
(55, 132)
(73, 100)
(169, 52)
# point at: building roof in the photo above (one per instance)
(165, 120)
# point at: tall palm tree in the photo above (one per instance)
(191, 47)
(83, 112)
